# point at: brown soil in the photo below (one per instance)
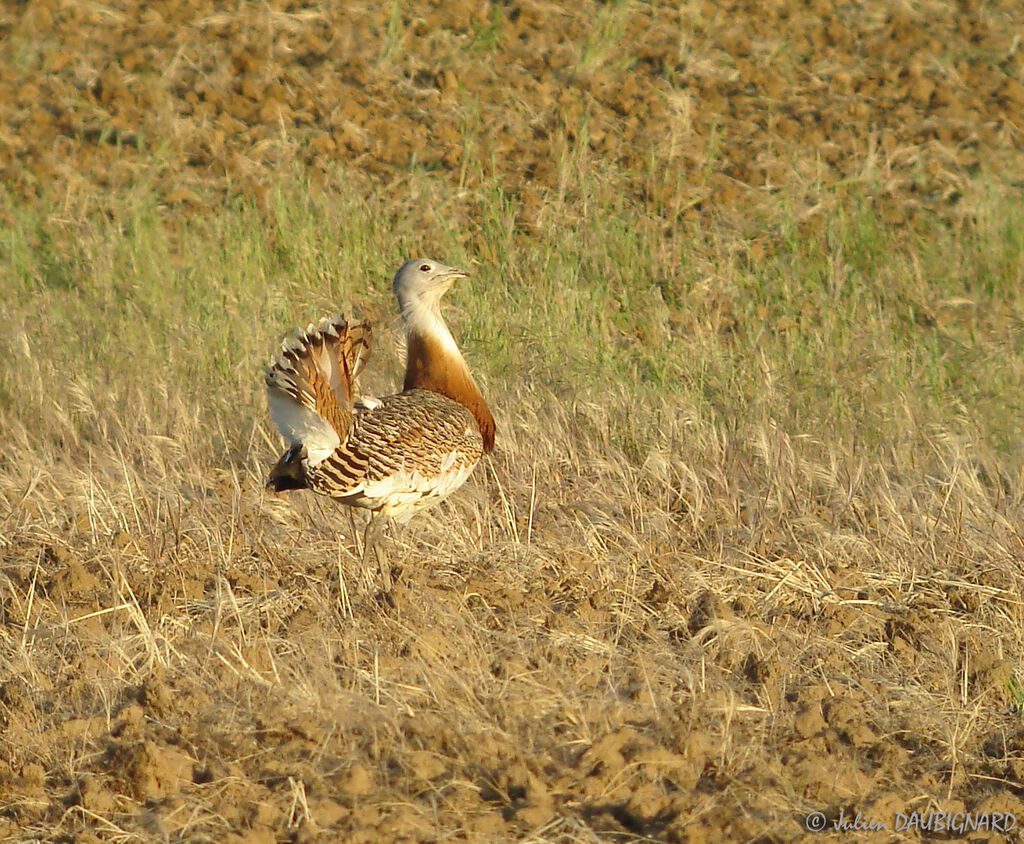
(521, 690)
(702, 106)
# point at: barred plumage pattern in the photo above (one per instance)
(409, 452)
(317, 368)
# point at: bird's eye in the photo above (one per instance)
(425, 268)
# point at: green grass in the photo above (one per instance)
(487, 35)
(858, 333)
(604, 37)
(1015, 689)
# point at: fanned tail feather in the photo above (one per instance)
(311, 392)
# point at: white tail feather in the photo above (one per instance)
(301, 426)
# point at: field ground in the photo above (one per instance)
(747, 300)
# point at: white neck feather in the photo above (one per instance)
(426, 321)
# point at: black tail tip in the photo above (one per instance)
(288, 473)
(285, 484)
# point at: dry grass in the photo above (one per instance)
(694, 599)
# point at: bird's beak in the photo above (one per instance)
(448, 279)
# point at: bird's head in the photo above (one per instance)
(421, 282)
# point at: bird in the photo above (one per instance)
(394, 455)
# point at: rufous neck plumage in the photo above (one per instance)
(434, 362)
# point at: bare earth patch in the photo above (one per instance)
(552, 664)
(703, 106)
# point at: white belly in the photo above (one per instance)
(402, 493)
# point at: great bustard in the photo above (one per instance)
(394, 455)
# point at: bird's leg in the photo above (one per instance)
(352, 524)
(372, 541)
(343, 599)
